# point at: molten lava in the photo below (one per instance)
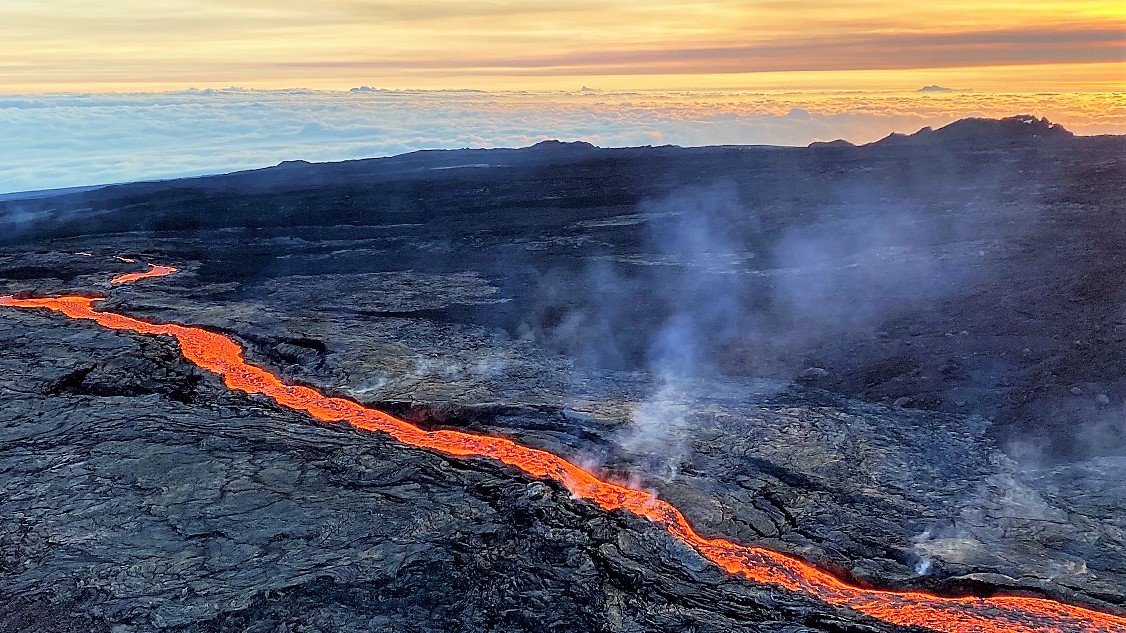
(153, 271)
(223, 356)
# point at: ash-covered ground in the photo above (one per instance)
(903, 362)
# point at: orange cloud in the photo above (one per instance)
(545, 44)
(895, 51)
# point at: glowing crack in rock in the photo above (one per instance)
(223, 356)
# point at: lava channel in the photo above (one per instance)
(223, 356)
(153, 271)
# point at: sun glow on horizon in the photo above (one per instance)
(549, 45)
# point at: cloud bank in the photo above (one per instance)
(65, 140)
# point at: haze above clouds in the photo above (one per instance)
(63, 140)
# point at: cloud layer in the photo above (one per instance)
(63, 140)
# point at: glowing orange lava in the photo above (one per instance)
(223, 356)
(153, 271)
(127, 260)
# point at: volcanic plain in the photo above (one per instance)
(901, 362)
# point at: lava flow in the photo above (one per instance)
(153, 271)
(223, 356)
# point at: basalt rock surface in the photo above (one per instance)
(933, 441)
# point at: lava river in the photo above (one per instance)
(223, 356)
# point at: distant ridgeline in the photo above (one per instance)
(994, 132)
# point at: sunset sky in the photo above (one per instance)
(117, 90)
(116, 45)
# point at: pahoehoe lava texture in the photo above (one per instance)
(139, 494)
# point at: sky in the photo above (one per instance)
(117, 90)
(133, 45)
